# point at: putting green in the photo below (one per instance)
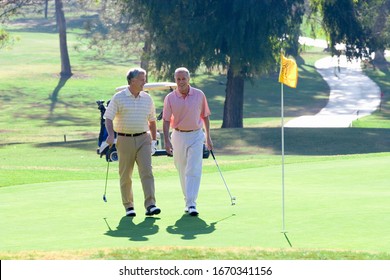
(336, 204)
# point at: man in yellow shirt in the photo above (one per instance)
(131, 113)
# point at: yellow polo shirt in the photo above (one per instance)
(131, 114)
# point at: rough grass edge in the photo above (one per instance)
(196, 253)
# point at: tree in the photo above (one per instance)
(46, 8)
(66, 70)
(11, 8)
(375, 18)
(8, 9)
(341, 23)
(244, 37)
(250, 35)
(4, 38)
(117, 27)
(363, 26)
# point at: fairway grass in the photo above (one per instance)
(339, 205)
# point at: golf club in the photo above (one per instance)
(105, 187)
(232, 198)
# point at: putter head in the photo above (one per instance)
(104, 198)
(233, 200)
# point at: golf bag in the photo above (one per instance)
(103, 148)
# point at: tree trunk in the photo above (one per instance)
(61, 25)
(379, 27)
(234, 101)
(145, 57)
(380, 58)
(46, 8)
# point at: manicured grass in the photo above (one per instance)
(77, 159)
(328, 206)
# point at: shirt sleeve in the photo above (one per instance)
(152, 114)
(205, 108)
(111, 109)
(167, 111)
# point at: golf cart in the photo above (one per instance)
(110, 153)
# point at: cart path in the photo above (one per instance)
(352, 95)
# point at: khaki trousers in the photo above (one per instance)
(135, 150)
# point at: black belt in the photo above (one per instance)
(183, 130)
(131, 135)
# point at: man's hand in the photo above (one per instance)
(110, 139)
(168, 148)
(153, 147)
(209, 143)
(110, 131)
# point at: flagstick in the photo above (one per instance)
(289, 76)
(282, 117)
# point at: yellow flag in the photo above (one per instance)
(288, 72)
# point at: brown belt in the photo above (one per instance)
(131, 135)
(183, 130)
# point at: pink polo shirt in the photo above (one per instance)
(186, 113)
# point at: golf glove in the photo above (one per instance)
(153, 147)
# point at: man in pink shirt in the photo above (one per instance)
(187, 112)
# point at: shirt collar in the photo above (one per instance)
(128, 93)
(178, 94)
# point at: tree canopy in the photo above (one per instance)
(363, 26)
(243, 37)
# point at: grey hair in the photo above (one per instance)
(133, 73)
(182, 69)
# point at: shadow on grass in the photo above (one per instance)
(302, 141)
(84, 144)
(189, 227)
(297, 141)
(262, 94)
(135, 232)
(42, 25)
(56, 91)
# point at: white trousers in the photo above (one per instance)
(187, 156)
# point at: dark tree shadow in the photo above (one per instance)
(189, 227)
(56, 91)
(304, 141)
(135, 232)
(383, 65)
